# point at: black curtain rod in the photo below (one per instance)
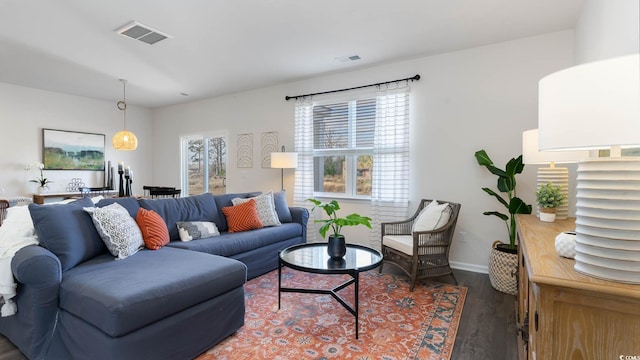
(414, 78)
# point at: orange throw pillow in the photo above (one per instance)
(242, 217)
(154, 231)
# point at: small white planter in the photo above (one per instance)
(547, 216)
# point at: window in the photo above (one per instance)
(343, 147)
(204, 163)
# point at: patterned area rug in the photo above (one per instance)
(394, 323)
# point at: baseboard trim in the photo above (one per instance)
(469, 267)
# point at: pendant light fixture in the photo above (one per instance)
(124, 140)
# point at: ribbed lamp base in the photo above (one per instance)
(608, 219)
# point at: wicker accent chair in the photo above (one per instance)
(429, 255)
(4, 205)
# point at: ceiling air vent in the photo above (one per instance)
(143, 33)
(346, 59)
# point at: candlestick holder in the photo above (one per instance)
(121, 184)
(127, 186)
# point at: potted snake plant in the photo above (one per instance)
(337, 246)
(503, 261)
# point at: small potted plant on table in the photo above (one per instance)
(337, 246)
(548, 198)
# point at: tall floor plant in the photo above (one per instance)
(507, 186)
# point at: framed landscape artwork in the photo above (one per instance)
(71, 150)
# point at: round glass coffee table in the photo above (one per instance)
(313, 258)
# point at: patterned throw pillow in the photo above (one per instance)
(265, 206)
(154, 231)
(242, 217)
(194, 230)
(117, 229)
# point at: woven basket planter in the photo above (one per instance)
(503, 270)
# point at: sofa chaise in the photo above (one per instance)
(75, 301)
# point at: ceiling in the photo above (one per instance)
(225, 46)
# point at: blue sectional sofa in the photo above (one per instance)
(75, 301)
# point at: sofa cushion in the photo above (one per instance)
(242, 217)
(154, 231)
(282, 208)
(230, 244)
(224, 201)
(194, 230)
(117, 229)
(192, 208)
(67, 231)
(119, 297)
(129, 203)
(265, 207)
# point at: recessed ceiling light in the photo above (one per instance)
(184, 94)
(144, 33)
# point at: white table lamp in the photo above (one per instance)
(597, 106)
(284, 160)
(558, 175)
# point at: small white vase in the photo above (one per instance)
(565, 244)
(41, 190)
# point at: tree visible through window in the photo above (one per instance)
(204, 164)
(343, 145)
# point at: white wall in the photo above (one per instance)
(25, 111)
(607, 28)
(466, 100)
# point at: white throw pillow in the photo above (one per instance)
(433, 216)
(117, 228)
(265, 206)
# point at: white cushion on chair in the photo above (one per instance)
(432, 217)
(402, 243)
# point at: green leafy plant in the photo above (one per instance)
(334, 222)
(506, 185)
(549, 196)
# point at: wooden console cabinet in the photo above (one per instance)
(563, 314)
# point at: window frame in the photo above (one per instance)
(184, 157)
(350, 153)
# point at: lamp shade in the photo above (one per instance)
(284, 160)
(591, 106)
(124, 140)
(531, 154)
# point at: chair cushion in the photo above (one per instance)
(433, 216)
(119, 297)
(402, 243)
(67, 231)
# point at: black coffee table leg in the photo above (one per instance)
(356, 276)
(279, 281)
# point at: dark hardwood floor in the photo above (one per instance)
(488, 326)
(486, 331)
